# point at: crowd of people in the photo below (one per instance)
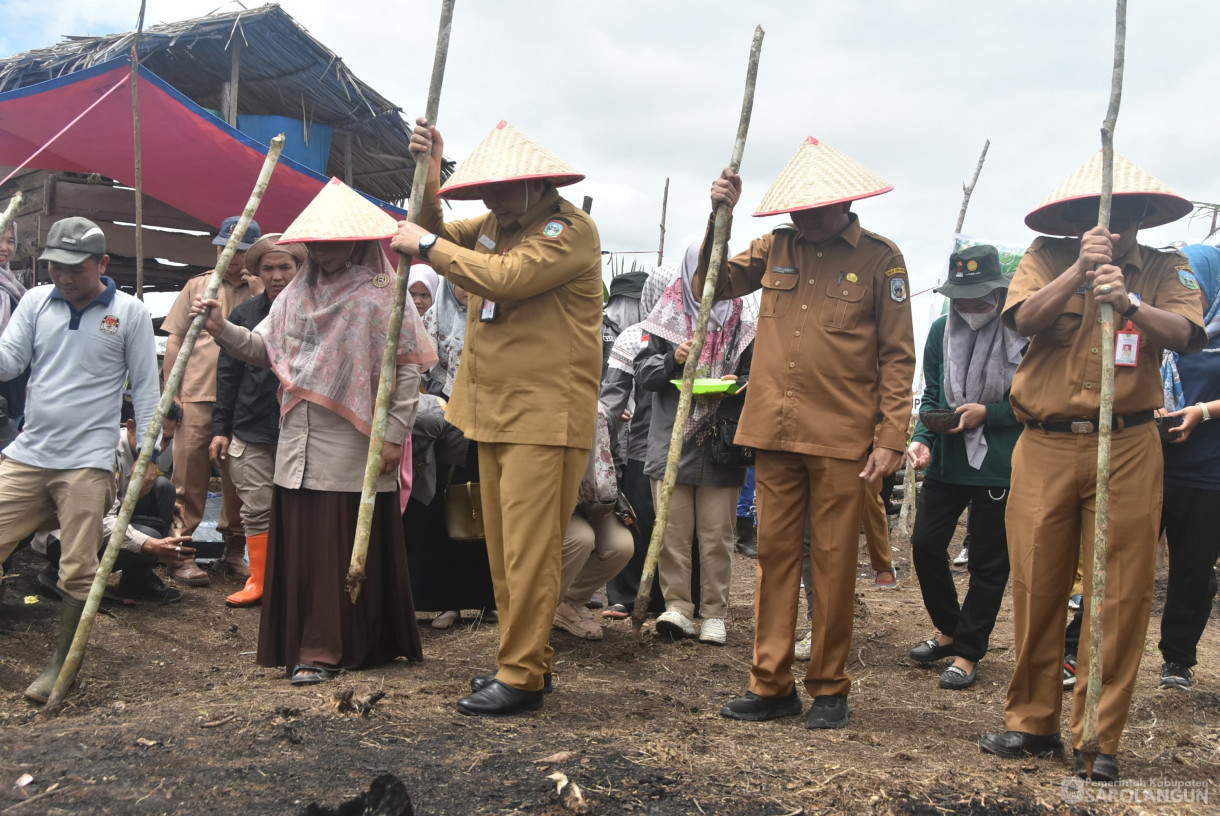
(530, 421)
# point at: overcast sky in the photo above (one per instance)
(631, 92)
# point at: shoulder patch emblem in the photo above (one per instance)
(897, 270)
(1187, 278)
(381, 280)
(110, 324)
(898, 289)
(553, 229)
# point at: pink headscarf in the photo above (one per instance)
(325, 336)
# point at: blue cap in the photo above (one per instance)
(253, 233)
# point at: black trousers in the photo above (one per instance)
(1188, 519)
(940, 506)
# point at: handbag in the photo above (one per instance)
(724, 452)
(463, 511)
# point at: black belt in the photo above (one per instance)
(1088, 426)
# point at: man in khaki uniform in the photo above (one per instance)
(192, 463)
(528, 381)
(834, 346)
(1055, 300)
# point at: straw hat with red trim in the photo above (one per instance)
(817, 176)
(507, 154)
(339, 213)
(1052, 215)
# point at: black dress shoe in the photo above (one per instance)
(747, 548)
(1017, 744)
(931, 650)
(756, 708)
(1105, 767)
(956, 678)
(483, 680)
(144, 585)
(828, 711)
(498, 699)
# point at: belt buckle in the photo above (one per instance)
(1083, 426)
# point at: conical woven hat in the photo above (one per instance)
(507, 154)
(339, 213)
(819, 175)
(1164, 205)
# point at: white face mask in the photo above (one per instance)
(977, 320)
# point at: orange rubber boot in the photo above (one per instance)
(252, 593)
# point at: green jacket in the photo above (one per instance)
(949, 463)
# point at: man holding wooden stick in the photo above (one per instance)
(1055, 300)
(834, 346)
(527, 386)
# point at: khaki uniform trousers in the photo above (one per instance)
(193, 470)
(593, 553)
(791, 488)
(876, 528)
(252, 469)
(1050, 518)
(80, 498)
(528, 494)
(712, 513)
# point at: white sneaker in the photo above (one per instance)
(963, 557)
(713, 631)
(804, 646)
(673, 623)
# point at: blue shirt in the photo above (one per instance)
(79, 362)
(1196, 462)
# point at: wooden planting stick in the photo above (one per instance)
(640, 612)
(389, 359)
(139, 169)
(67, 675)
(10, 212)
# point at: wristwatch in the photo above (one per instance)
(1133, 308)
(428, 241)
(1202, 406)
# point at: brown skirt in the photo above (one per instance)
(307, 614)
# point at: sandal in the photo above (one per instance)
(304, 674)
(616, 611)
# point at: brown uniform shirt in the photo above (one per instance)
(530, 375)
(199, 378)
(834, 344)
(1060, 375)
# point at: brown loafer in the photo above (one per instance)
(186, 571)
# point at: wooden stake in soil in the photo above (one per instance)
(1090, 746)
(67, 675)
(135, 135)
(640, 612)
(389, 359)
(664, 207)
(10, 212)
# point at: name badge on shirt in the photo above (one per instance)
(1127, 347)
(487, 242)
(489, 312)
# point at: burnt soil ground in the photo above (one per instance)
(172, 715)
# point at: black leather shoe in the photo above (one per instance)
(756, 708)
(747, 548)
(143, 585)
(931, 650)
(828, 711)
(483, 680)
(1017, 744)
(1105, 767)
(956, 678)
(498, 699)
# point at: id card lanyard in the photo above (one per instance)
(1127, 346)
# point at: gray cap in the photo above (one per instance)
(73, 240)
(253, 233)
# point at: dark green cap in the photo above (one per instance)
(974, 272)
(73, 240)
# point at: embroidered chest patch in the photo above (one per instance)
(553, 229)
(110, 325)
(898, 289)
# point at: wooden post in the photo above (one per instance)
(587, 206)
(719, 238)
(139, 169)
(664, 208)
(347, 158)
(389, 359)
(234, 77)
(67, 675)
(1090, 746)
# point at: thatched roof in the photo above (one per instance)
(284, 71)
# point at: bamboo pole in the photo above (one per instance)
(67, 675)
(10, 212)
(664, 208)
(135, 135)
(1090, 746)
(719, 238)
(389, 359)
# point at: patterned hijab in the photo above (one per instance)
(446, 325)
(9, 285)
(628, 343)
(326, 334)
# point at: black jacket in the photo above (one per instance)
(247, 401)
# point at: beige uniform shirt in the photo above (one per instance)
(199, 378)
(835, 343)
(1060, 375)
(531, 374)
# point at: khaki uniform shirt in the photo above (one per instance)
(834, 344)
(199, 378)
(529, 376)
(1060, 375)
